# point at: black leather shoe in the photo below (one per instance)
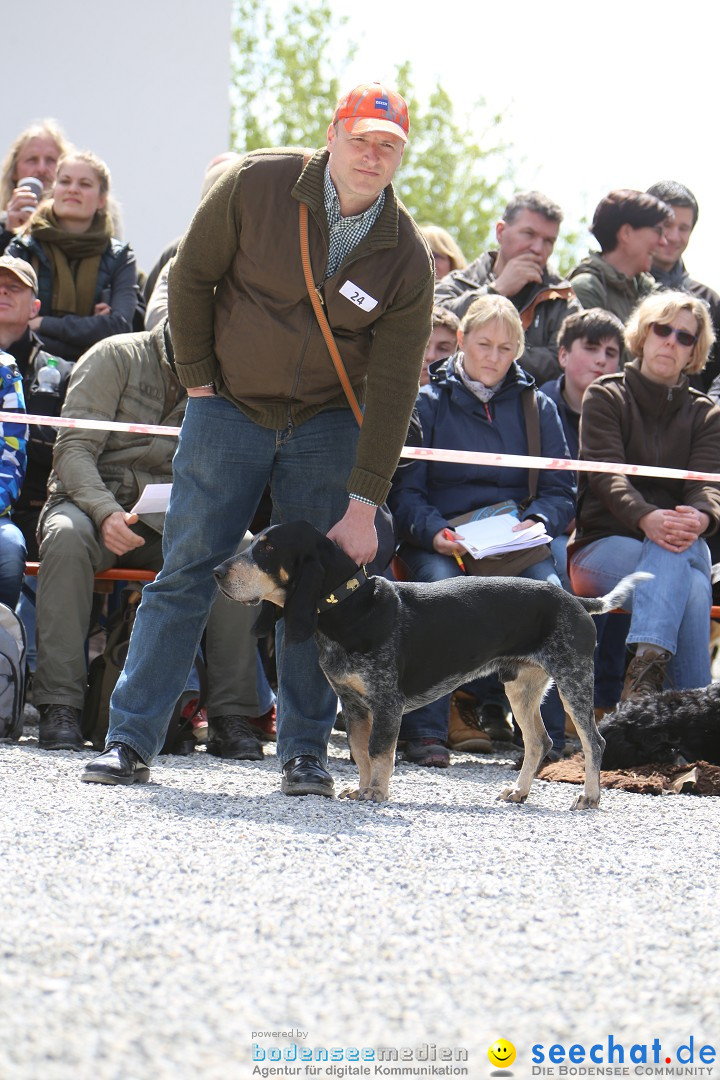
(304, 775)
(232, 737)
(59, 728)
(119, 764)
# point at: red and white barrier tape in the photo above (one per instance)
(466, 457)
(473, 457)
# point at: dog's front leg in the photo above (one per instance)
(358, 723)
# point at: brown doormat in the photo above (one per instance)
(700, 778)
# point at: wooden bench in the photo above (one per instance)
(105, 580)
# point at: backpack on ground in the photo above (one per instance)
(104, 672)
(13, 650)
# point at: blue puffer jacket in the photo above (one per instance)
(427, 494)
(69, 336)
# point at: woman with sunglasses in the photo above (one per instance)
(649, 415)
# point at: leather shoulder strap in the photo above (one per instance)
(532, 427)
(317, 303)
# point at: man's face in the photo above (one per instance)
(584, 362)
(38, 157)
(442, 343)
(18, 303)
(529, 234)
(677, 236)
(361, 166)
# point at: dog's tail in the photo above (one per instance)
(615, 599)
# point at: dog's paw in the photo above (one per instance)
(373, 794)
(349, 793)
(511, 794)
(584, 802)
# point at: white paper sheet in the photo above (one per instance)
(154, 499)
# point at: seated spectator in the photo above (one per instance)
(86, 526)
(474, 402)
(649, 415)
(442, 341)
(629, 227)
(668, 267)
(518, 269)
(87, 279)
(446, 251)
(35, 152)
(590, 344)
(13, 438)
(18, 306)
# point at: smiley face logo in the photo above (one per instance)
(501, 1053)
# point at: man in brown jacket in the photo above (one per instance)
(265, 405)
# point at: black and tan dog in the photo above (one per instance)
(387, 648)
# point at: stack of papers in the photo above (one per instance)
(494, 535)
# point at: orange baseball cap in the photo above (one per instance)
(373, 107)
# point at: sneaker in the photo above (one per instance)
(233, 737)
(264, 726)
(465, 730)
(645, 674)
(428, 752)
(60, 728)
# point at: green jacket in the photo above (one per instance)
(241, 316)
(598, 284)
(127, 378)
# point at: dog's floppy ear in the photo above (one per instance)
(265, 622)
(300, 610)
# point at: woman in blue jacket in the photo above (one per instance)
(87, 279)
(474, 401)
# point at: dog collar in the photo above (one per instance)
(343, 591)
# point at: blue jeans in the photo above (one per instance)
(12, 562)
(221, 468)
(431, 721)
(671, 611)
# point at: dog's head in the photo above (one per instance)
(289, 566)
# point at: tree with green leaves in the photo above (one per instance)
(286, 86)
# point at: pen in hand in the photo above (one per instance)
(449, 536)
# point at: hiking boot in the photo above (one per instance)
(464, 729)
(645, 674)
(60, 728)
(264, 726)
(233, 737)
(430, 752)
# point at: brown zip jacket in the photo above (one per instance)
(241, 316)
(628, 418)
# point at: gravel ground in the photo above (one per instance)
(151, 931)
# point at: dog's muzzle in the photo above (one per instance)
(240, 579)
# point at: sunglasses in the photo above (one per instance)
(683, 337)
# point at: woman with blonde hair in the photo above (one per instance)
(475, 401)
(446, 251)
(648, 414)
(35, 152)
(87, 278)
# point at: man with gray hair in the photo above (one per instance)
(526, 237)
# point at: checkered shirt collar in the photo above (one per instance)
(345, 232)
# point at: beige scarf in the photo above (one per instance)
(75, 259)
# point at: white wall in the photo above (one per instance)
(142, 83)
